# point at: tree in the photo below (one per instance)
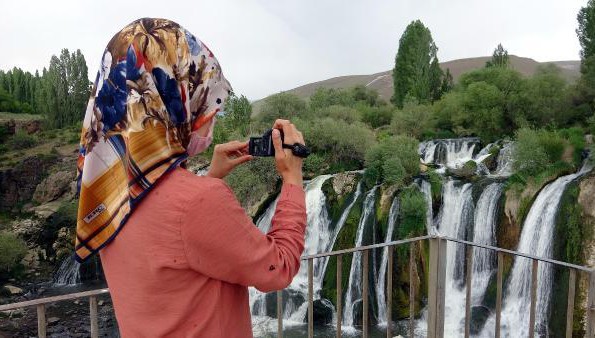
(416, 66)
(282, 105)
(499, 58)
(586, 30)
(585, 93)
(447, 82)
(238, 110)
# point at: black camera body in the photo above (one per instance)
(263, 146)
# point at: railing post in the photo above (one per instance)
(436, 284)
(41, 322)
(93, 316)
(499, 292)
(590, 306)
(339, 293)
(365, 294)
(570, 302)
(389, 292)
(411, 290)
(310, 298)
(279, 313)
(533, 298)
(469, 285)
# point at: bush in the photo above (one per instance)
(22, 140)
(412, 213)
(282, 106)
(414, 120)
(535, 150)
(376, 116)
(344, 113)
(393, 159)
(343, 145)
(591, 125)
(13, 250)
(253, 180)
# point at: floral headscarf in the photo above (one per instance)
(150, 108)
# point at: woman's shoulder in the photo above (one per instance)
(185, 180)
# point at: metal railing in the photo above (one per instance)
(436, 291)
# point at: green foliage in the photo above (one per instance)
(325, 97)
(282, 106)
(416, 73)
(414, 120)
(237, 112)
(22, 140)
(253, 180)
(591, 125)
(347, 114)
(412, 213)
(537, 149)
(343, 145)
(377, 116)
(393, 160)
(13, 250)
(499, 58)
(586, 29)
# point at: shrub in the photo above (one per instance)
(13, 250)
(591, 124)
(393, 159)
(282, 105)
(22, 140)
(315, 165)
(344, 113)
(537, 149)
(343, 145)
(412, 215)
(414, 120)
(376, 116)
(253, 180)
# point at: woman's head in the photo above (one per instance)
(153, 104)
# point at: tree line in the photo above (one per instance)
(59, 93)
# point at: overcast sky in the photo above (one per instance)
(269, 46)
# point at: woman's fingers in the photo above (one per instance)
(277, 144)
(242, 159)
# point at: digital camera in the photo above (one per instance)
(263, 146)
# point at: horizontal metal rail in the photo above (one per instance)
(436, 288)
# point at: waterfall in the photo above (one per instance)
(505, 160)
(455, 215)
(339, 226)
(484, 232)
(381, 280)
(354, 288)
(426, 189)
(448, 153)
(69, 272)
(536, 239)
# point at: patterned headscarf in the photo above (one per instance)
(150, 108)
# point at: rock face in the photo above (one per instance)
(586, 197)
(344, 183)
(18, 184)
(53, 187)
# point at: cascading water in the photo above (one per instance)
(504, 167)
(381, 280)
(484, 232)
(450, 153)
(69, 272)
(536, 239)
(426, 189)
(339, 226)
(354, 288)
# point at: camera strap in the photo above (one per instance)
(298, 149)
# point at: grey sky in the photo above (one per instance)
(268, 46)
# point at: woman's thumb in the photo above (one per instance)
(277, 143)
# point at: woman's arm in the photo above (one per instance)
(221, 241)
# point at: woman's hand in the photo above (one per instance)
(226, 157)
(288, 165)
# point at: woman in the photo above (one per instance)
(178, 250)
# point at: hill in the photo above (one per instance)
(383, 83)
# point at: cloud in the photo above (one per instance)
(268, 46)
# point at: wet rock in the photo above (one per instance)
(466, 171)
(13, 289)
(45, 211)
(53, 187)
(323, 312)
(100, 303)
(63, 244)
(33, 258)
(53, 320)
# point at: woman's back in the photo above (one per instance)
(182, 264)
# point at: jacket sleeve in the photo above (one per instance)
(222, 242)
